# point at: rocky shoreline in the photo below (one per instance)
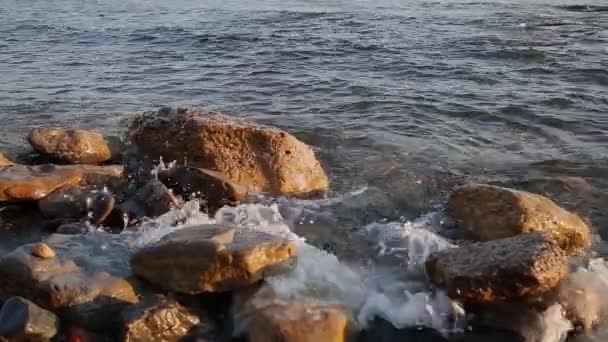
(518, 258)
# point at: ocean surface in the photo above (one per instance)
(403, 100)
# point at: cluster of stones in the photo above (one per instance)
(526, 246)
(46, 295)
(525, 241)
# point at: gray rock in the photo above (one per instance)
(22, 320)
(157, 198)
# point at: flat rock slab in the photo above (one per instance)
(212, 258)
(72, 146)
(258, 157)
(492, 212)
(20, 183)
(501, 270)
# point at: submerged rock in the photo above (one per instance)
(491, 212)
(72, 146)
(295, 322)
(212, 258)
(260, 158)
(501, 270)
(4, 161)
(157, 319)
(22, 320)
(215, 188)
(20, 183)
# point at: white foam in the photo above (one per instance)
(556, 324)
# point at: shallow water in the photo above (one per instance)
(403, 100)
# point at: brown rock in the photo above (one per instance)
(43, 251)
(54, 283)
(212, 258)
(260, 158)
(492, 212)
(507, 269)
(98, 175)
(582, 295)
(157, 319)
(212, 186)
(4, 161)
(295, 322)
(72, 146)
(30, 183)
(99, 206)
(157, 198)
(22, 320)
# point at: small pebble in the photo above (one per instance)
(43, 251)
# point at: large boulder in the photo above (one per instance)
(4, 161)
(212, 258)
(22, 320)
(507, 269)
(215, 188)
(30, 183)
(158, 319)
(72, 146)
(35, 272)
(259, 157)
(492, 212)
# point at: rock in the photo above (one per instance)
(212, 186)
(582, 296)
(491, 212)
(125, 215)
(157, 198)
(99, 206)
(4, 161)
(22, 320)
(258, 157)
(296, 322)
(507, 269)
(54, 283)
(43, 251)
(98, 175)
(212, 258)
(20, 183)
(157, 319)
(72, 228)
(66, 202)
(72, 146)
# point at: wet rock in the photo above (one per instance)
(20, 183)
(212, 258)
(4, 161)
(157, 319)
(99, 206)
(501, 270)
(260, 158)
(66, 202)
(491, 212)
(212, 186)
(72, 228)
(125, 215)
(54, 283)
(72, 146)
(295, 322)
(43, 251)
(157, 198)
(99, 175)
(582, 295)
(22, 320)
